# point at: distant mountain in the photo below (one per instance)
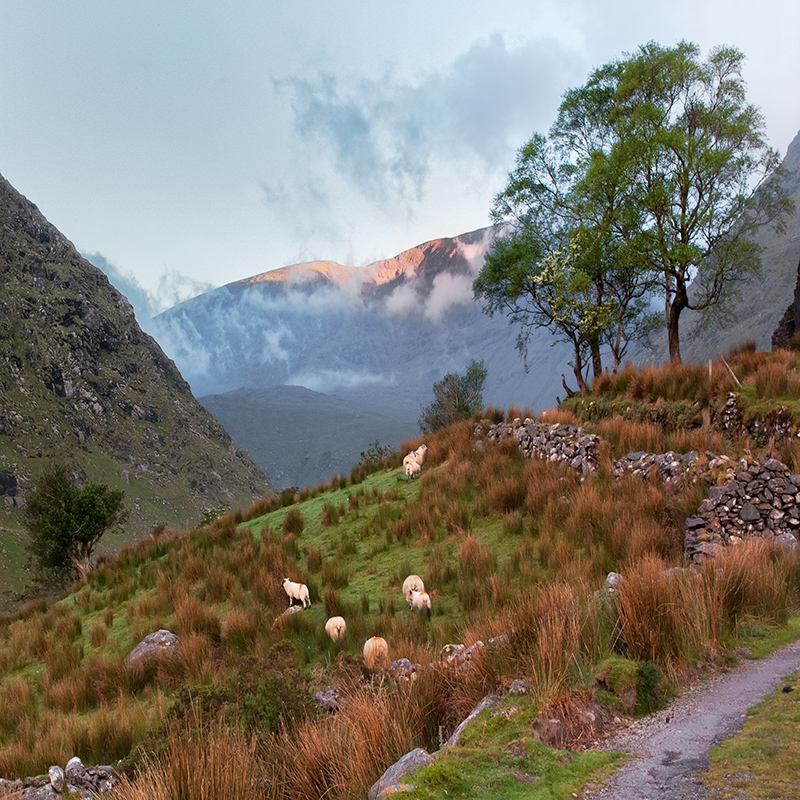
(80, 381)
(377, 337)
(302, 438)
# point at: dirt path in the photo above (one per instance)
(674, 743)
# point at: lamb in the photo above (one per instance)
(412, 583)
(296, 591)
(420, 601)
(376, 653)
(336, 628)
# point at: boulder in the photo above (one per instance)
(410, 762)
(162, 641)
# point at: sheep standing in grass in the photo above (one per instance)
(376, 653)
(410, 467)
(296, 591)
(412, 463)
(336, 628)
(420, 601)
(411, 584)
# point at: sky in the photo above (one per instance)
(183, 145)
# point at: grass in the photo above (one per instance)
(762, 761)
(504, 545)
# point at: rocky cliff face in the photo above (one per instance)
(80, 381)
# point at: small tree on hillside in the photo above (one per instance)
(456, 397)
(66, 523)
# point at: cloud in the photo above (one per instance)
(448, 290)
(385, 136)
(331, 380)
(173, 288)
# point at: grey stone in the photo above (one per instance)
(410, 762)
(491, 701)
(56, 778)
(162, 641)
(749, 513)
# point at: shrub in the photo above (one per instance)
(293, 522)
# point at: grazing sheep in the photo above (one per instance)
(410, 467)
(419, 454)
(420, 601)
(336, 628)
(376, 653)
(296, 591)
(410, 584)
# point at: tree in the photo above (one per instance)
(564, 258)
(661, 167)
(66, 522)
(456, 397)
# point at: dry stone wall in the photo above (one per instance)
(747, 499)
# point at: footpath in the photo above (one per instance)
(669, 747)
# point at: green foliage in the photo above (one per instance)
(210, 514)
(374, 453)
(649, 694)
(656, 170)
(456, 397)
(66, 522)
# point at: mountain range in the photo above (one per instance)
(371, 341)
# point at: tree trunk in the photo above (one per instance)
(597, 364)
(674, 308)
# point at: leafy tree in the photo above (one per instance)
(658, 170)
(456, 397)
(565, 256)
(66, 522)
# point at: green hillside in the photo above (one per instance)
(514, 553)
(80, 382)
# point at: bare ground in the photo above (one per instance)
(669, 747)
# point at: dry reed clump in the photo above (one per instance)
(98, 633)
(17, 701)
(545, 482)
(756, 579)
(294, 522)
(548, 633)
(191, 616)
(212, 762)
(241, 626)
(259, 508)
(341, 756)
(662, 617)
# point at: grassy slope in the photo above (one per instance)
(501, 543)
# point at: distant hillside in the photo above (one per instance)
(80, 381)
(764, 299)
(303, 438)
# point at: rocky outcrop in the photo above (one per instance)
(790, 322)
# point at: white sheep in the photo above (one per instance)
(376, 653)
(410, 584)
(420, 601)
(410, 467)
(419, 454)
(296, 591)
(336, 628)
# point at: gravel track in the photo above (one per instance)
(671, 745)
